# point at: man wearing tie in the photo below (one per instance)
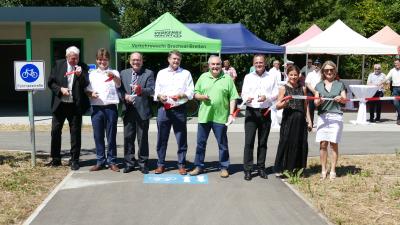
(135, 91)
(67, 81)
(174, 87)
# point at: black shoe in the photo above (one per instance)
(144, 169)
(262, 173)
(247, 175)
(398, 122)
(75, 165)
(128, 169)
(372, 120)
(54, 163)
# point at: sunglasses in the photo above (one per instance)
(329, 70)
(377, 68)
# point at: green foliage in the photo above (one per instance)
(274, 21)
(293, 177)
(395, 192)
(397, 152)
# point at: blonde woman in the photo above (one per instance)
(330, 116)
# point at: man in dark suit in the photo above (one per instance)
(67, 81)
(137, 85)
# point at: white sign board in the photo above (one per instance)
(29, 75)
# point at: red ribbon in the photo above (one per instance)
(69, 73)
(110, 77)
(269, 109)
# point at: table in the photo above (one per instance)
(362, 91)
(349, 93)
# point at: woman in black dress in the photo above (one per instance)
(293, 146)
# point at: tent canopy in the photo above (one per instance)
(311, 32)
(386, 36)
(339, 39)
(236, 38)
(164, 34)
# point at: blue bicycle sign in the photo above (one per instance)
(29, 73)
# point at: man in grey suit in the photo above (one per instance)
(137, 85)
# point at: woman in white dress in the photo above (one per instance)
(330, 116)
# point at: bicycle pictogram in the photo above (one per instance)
(164, 179)
(29, 73)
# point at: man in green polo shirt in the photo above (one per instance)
(218, 95)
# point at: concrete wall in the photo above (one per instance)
(94, 35)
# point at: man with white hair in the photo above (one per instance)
(275, 70)
(217, 93)
(67, 81)
(376, 78)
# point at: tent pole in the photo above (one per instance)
(362, 69)
(285, 58)
(337, 63)
(306, 65)
(116, 61)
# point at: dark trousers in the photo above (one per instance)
(255, 120)
(311, 106)
(105, 118)
(396, 92)
(175, 117)
(375, 106)
(134, 127)
(203, 131)
(66, 111)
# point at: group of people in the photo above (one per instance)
(378, 78)
(75, 89)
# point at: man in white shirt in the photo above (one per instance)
(174, 87)
(228, 69)
(394, 76)
(376, 78)
(102, 90)
(275, 70)
(259, 90)
(307, 68)
(312, 79)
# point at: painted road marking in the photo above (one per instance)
(174, 179)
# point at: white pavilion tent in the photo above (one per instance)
(339, 39)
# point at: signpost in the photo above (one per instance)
(29, 76)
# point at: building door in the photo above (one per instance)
(12, 102)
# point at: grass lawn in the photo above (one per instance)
(22, 187)
(366, 191)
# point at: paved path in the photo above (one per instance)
(107, 197)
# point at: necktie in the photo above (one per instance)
(134, 79)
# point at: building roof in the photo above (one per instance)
(57, 14)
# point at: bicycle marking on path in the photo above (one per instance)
(174, 179)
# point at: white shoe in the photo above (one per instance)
(332, 175)
(323, 175)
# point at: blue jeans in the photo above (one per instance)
(105, 118)
(175, 117)
(219, 130)
(396, 92)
